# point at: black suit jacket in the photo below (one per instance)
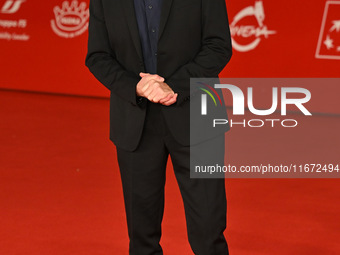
(194, 41)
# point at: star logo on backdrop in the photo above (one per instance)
(329, 43)
(328, 46)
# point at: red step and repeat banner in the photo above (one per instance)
(43, 46)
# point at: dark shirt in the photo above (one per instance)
(148, 14)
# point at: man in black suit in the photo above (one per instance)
(145, 52)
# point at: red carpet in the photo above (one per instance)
(60, 191)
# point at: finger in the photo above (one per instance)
(143, 74)
(156, 99)
(161, 96)
(167, 98)
(171, 101)
(146, 90)
(151, 87)
(160, 78)
(155, 95)
(142, 83)
(145, 87)
(149, 77)
(147, 93)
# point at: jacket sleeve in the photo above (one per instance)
(214, 54)
(101, 61)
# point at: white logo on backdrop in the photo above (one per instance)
(329, 39)
(12, 27)
(257, 32)
(71, 19)
(11, 6)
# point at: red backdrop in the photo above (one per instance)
(43, 45)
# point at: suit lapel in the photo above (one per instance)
(129, 9)
(166, 6)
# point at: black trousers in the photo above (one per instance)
(143, 179)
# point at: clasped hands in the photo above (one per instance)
(153, 87)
